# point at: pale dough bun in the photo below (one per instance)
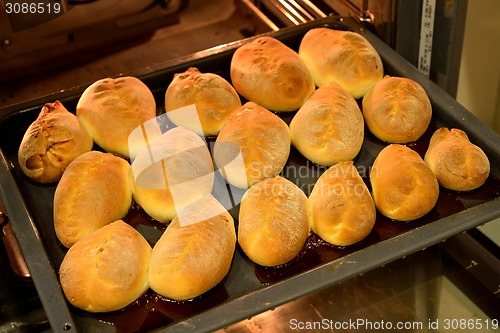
(253, 145)
(215, 99)
(342, 209)
(458, 164)
(273, 222)
(271, 74)
(94, 191)
(397, 110)
(344, 57)
(403, 186)
(329, 127)
(107, 270)
(51, 142)
(110, 109)
(175, 170)
(191, 259)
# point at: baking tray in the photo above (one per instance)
(248, 289)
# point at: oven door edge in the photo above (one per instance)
(51, 296)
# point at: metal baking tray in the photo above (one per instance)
(248, 289)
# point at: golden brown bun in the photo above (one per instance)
(403, 186)
(111, 108)
(182, 172)
(269, 73)
(263, 140)
(329, 127)
(214, 97)
(94, 191)
(189, 260)
(342, 209)
(397, 110)
(458, 164)
(107, 270)
(273, 221)
(51, 142)
(344, 57)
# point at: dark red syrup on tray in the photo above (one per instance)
(152, 311)
(317, 252)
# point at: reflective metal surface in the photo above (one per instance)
(440, 289)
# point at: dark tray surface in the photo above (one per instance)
(248, 289)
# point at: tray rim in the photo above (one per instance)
(255, 302)
(39, 264)
(343, 268)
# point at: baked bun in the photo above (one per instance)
(329, 127)
(458, 164)
(51, 142)
(253, 145)
(111, 108)
(403, 186)
(192, 258)
(273, 221)
(107, 270)
(175, 170)
(94, 191)
(397, 110)
(215, 99)
(342, 209)
(344, 57)
(269, 73)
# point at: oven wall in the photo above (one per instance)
(479, 78)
